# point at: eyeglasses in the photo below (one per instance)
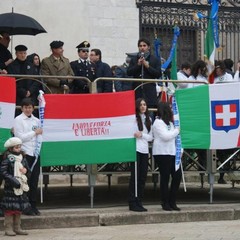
(85, 51)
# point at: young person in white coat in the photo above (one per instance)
(27, 128)
(164, 151)
(143, 136)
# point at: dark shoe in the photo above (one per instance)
(221, 181)
(136, 208)
(36, 211)
(144, 209)
(139, 203)
(166, 207)
(175, 207)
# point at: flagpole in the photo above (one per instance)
(136, 188)
(228, 159)
(41, 185)
(183, 179)
(41, 108)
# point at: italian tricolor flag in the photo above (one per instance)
(88, 129)
(209, 50)
(7, 108)
(209, 116)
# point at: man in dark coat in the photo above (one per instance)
(83, 68)
(102, 70)
(5, 55)
(145, 66)
(21, 66)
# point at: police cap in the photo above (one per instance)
(85, 45)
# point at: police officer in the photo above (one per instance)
(82, 67)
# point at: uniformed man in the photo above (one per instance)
(82, 67)
(57, 65)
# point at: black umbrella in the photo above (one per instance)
(19, 24)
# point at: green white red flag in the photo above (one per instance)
(209, 116)
(7, 108)
(209, 50)
(88, 129)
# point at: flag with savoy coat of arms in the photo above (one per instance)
(209, 116)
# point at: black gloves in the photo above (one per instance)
(63, 82)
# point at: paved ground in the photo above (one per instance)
(215, 230)
(73, 202)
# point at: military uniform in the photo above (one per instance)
(58, 67)
(82, 68)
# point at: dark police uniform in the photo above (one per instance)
(82, 68)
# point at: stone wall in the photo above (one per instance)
(111, 25)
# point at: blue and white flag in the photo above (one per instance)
(41, 109)
(178, 138)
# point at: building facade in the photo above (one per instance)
(159, 16)
(114, 26)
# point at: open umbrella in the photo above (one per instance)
(19, 24)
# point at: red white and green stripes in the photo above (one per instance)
(88, 128)
(7, 108)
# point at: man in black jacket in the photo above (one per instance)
(145, 66)
(5, 55)
(102, 70)
(25, 87)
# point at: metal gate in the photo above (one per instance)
(159, 16)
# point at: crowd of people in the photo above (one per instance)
(89, 64)
(159, 128)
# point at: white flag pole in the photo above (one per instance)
(183, 179)
(136, 188)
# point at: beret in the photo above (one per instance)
(56, 44)
(21, 48)
(13, 141)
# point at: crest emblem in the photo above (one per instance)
(225, 115)
(85, 44)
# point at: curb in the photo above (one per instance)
(121, 216)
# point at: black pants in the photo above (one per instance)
(142, 167)
(166, 164)
(33, 181)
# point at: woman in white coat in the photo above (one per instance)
(143, 135)
(164, 152)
